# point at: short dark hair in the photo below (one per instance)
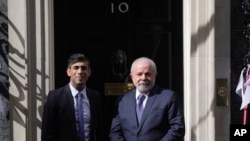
(77, 57)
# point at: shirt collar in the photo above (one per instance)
(137, 93)
(74, 91)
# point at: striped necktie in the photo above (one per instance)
(139, 106)
(79, 104)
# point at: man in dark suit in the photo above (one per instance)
(61, 119)
(155, 117)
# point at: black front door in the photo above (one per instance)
(105, 30)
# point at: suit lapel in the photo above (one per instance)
(131, 107)
(70, 100)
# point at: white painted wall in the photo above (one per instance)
(31, 65)
(206, 58)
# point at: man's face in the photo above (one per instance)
(143, 76)
(79, 73)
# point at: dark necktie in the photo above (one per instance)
(79, 104)
(139, 106)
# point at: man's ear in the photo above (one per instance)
(68, 71)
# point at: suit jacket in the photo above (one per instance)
(59, 121)
(162, 119)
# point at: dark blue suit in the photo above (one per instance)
(162, 119)
(59, 121)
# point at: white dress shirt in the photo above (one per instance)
(86, 110)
